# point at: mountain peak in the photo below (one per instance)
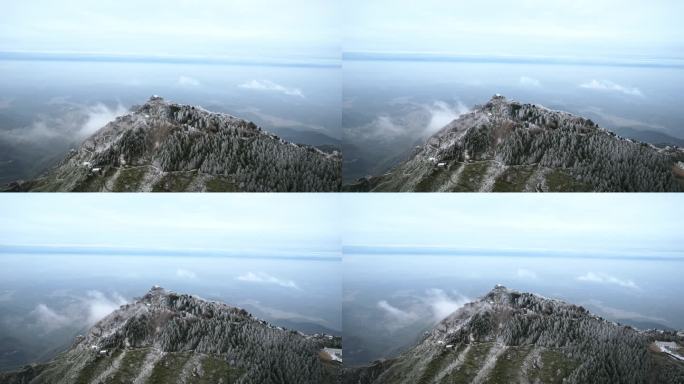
(166, 334)
(511, 334)
(165, 146)
(507, 146)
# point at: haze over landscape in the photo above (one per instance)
(407, 268)
(70, 69)
(70, 261)
(409, 69)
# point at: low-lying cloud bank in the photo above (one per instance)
(267, 85)
(606, 85)
(603, 278)
(77, 123)
(436, 302)
(84, 311)
(410, 121)
(265, 278)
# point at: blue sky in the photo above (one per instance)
(235, 223)
(641, 224)
(575, 28)
(243, 28)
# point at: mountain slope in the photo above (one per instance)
(163, 146)
(507, 146)
(509, 336)
(170, 338)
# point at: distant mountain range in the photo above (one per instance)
(163, 146)
(504, 145)
(166, 337)
(513, 337)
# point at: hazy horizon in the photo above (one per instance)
(70, 260)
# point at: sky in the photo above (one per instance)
(626, 224)
(292, 224)
(242, 28)
(528, 27)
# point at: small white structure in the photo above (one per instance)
(669, 347)
(449, 346)
(103, 352)
(334, 353)
(441, 165)
(96, 170)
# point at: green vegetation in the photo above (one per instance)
(472, 177)
(438, 363)
(559, 181)
(555, 367)
(508, 365)
(514, 179)
(221, 184)
(174, 182)
(472, 364)
(129, 179)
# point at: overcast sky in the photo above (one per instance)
(603, 222)
(235, 223)
(246, 28)
(525, 27)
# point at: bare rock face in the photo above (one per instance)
(508, 146)
(163, 146)
(166, 337)
(509, 336)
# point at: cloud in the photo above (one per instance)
(442, 304)
(526, 274)
(603, 278)
(264, 278)
(441, 114)
(529, 82)
(396, 313)
(73, 123)
(186, 81)
(408, 121)
(100, 305)
(84, 312)
(48, 319)
(267, 85)
(605, 85)
(98, 116)
(432, 307)
(185, 274)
